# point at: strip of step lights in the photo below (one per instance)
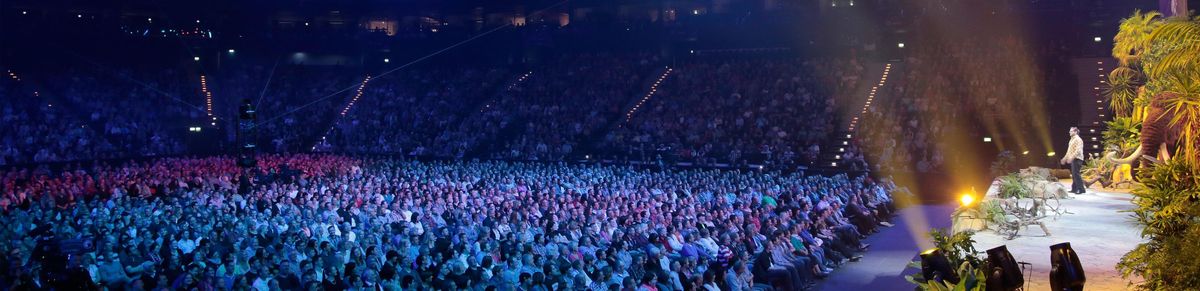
(357, 94)
(208, 103)
(653, 89)
(887, 69)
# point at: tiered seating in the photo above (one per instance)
(760, 110)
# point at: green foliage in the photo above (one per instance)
(1122, 132)
(1182, 101)
(988, 209)
(1174, 45)
(1014, 186)
(959, 249)
(972, 279)
(1168, 209)
(1133, 37)
(1168, 200)
(1122, 90)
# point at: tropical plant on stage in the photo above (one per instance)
(1129, 45)
(1013, 186)
(987, 210)
(1168, 209)
(1166, 51)
(1122, 132)
(959, 250)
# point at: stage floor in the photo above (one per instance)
(1097, 229)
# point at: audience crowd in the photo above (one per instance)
(764, 110)
(81, 115)
(319, 222)
(709, 110)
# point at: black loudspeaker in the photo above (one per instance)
(935, 267)
(1065, 271)
(1003, 272)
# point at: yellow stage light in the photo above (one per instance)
(967, 200)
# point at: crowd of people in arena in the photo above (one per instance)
(565, 104)
(319, 222)
(948, 90)
(708, 110)
(767, 110)
(408, 111)
(82, 115)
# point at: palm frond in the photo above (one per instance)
(1121, 89)
(1122, 132)
(1132, 37)
(1174, 44)
(1182, 102)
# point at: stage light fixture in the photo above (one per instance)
(1066, 273)
(1025, 153)
(900, 45)
(232, 51)
(196, 59)
(386, 60)
(1050, 154)
(935, 267)
(987, 139)
(1096, 39)
(1003, 273)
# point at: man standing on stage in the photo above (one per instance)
(1074, 156)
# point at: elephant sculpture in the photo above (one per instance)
(1159, 135)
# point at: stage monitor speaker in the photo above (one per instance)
(1066, 273)
(1003, 272)
(935, 266)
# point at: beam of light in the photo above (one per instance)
(263, 93)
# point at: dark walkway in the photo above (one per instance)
(883, 267)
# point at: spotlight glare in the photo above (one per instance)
(900, 45)
(987, 139)
(1050, 154)
(967, 200)
(1096, 39)
(196, 59)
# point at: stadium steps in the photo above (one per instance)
(514, 126)
(496, 89)
(873, 89)
(651, 83)
(330, 120)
